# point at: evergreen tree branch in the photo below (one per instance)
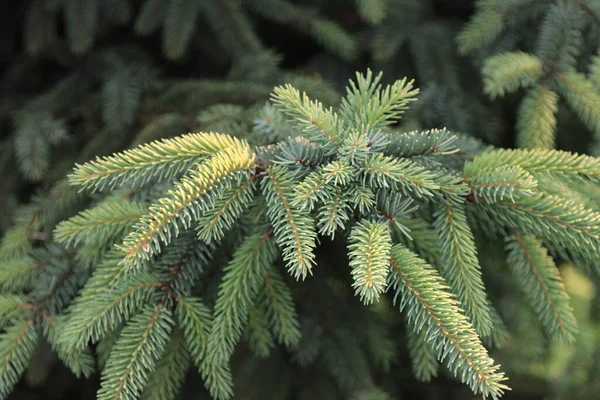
(160, 160)
(293, 230)
(536, 161)
(373, 11)
(507, 72)
(421, 143)
(368, 105)
(560, 222)
(541, 282)
(17, 344)
(196, 321)
(237, 294)
(225, 211)
(369, 247)
(80, 361)
(334, 214)
(150, 16)
(328, 33)
(460, 266)
(17, 274)
(190, 197)
(166, 380)
(108, 309)
(280, 308)
(561, 37)
(107, 220)
(320, 125)
(432, 308)
(582, 96)
(179, 25)
(258, 335)
(135, 354)
(423, 357)
(502, 184)
(536, 123)
(402, 175)
(11, 306)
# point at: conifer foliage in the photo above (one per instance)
(196, 245)
(554, 66)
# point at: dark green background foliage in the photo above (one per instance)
(178, 312)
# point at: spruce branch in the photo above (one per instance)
(11, 305)
(432, 308)
(362, 198)
(190, 197)
(373, 11)
(108, 274)
(81, 23)
(582, 96)
(460, 266)
(594, 71)
(108, 309)
(280, 308)
(107, 220)
(402, 175)
(499, 335)
(346, 361)
(258, 334)
(483, 28)
(236, 34)
(490, 19)
(162, 159)
(560, 222)
(508, 72)
(226, 209)
(369, 247)
(326, 32)
(394, 209)
(561, 36)
(293, 230)
(540, 280)
(424, 363)
(150, 16)
(106, 344)
(135, 353)
(330, 35)
(501, 184)
(320, 125)
(536, 161)
(17, 274)
(381, 346)
(80, 361)
(338, 173)
(225, 203)
(355, 147)
(196, 321)
(536, 123)
(167, 378)
(308, 349)
(422, 240)
(421, 143)
(334, 213)
(237, 294)
(367, 104)
(183, 262)
(321, 185)
(179, 24)
(17, 344)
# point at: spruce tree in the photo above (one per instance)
(185, 213)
